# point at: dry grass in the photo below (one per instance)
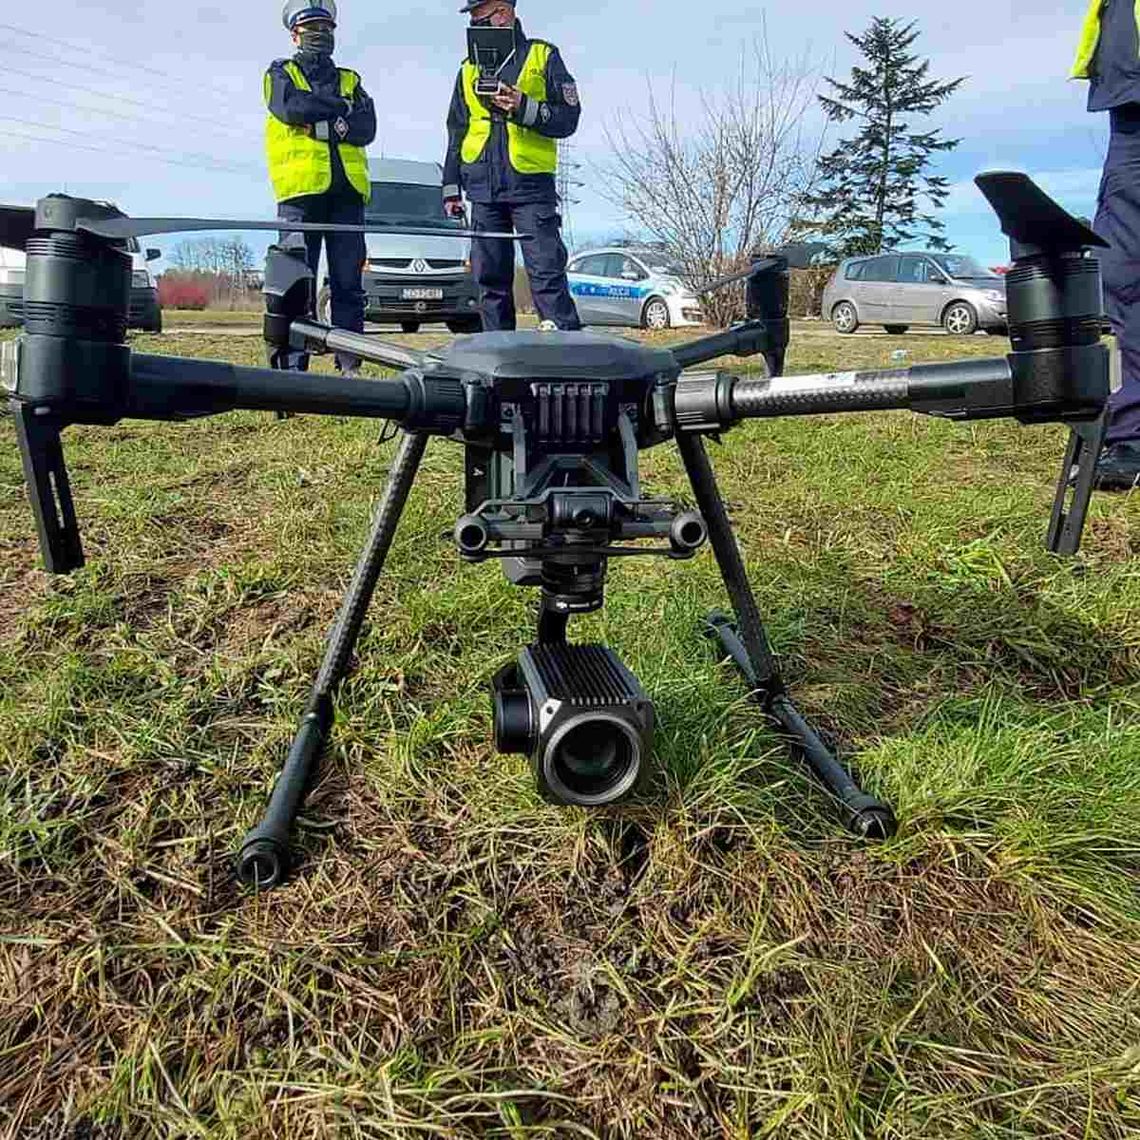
(454, 958)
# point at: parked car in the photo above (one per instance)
(897, 290)
(145, 312)
(413, 281)
(634, 286)
(11, 287)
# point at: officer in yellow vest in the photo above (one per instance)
(1108, 56)
(320, 121)
(503, 151)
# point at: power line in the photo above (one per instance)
(212, 122)
(216, 128)
(85, 50)
(114, 150)
(182, 157)
(39, 99)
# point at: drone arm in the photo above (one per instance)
(767, 328)
(742, 340)
(171, 388)
(966, 390)
(326, 338)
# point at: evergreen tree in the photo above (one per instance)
(876, 191)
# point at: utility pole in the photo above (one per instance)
(568, 183)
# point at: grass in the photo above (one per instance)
(192, 318)
(456, 959)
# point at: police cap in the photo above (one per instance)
(473, 4)
(302, 11)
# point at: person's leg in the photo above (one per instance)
(346, 254)
(302, 210)
(493, 266)
(545, 258)
(1118, 222)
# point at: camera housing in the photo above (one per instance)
(583, 719)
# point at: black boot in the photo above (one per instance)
(1118, 468)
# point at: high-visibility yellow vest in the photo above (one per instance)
(1090, 39)
(530, 152)
(301, 164)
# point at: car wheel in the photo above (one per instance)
(895, 330)
(324, 306)
(960, 319)
(156, 324)
(410, 326)
(656, 315)
(845, 318)
(466, 325)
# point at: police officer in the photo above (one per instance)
(1109, 58)
(320, 120)
(502, 150)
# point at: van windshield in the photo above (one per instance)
(407, 203)
(957, 265)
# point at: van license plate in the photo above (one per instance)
(422, 295)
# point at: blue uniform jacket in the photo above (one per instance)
(492, 179)
(1115, 73)
(323, 104)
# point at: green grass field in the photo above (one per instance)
(456, 959)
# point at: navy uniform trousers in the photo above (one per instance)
(493, 264)
(346, 253)
(1118, 222)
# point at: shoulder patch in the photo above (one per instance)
(570, 94)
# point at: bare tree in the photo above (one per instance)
(713, 189)
(225, 260)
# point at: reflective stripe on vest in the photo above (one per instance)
(1090, 39)
(530, 152)
(300, 164)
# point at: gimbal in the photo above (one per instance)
(552, 425)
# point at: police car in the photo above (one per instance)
(633, 286)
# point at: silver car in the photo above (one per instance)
(897, 290)
(633, 286)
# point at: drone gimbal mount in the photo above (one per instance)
(552, 425)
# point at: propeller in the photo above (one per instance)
(1029, 217)
(120, 228)
(798, 255)
(60, 212)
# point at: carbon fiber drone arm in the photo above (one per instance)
(53, 385)
(1058, 371)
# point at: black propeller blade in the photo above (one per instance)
(117, 229)
(60, 212)
(1030, 217)
(798, 255)
(17, 224)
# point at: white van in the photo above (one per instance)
(145, 312)
(413, 281)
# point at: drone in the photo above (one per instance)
(552, 425)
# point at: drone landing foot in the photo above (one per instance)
(263, 860)
(747, 644)
(866, 816)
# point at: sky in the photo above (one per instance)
(157, 106)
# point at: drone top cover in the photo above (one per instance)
(556, 356)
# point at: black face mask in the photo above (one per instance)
(317, 41)
(485, 22)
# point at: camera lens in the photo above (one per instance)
(593, 761)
